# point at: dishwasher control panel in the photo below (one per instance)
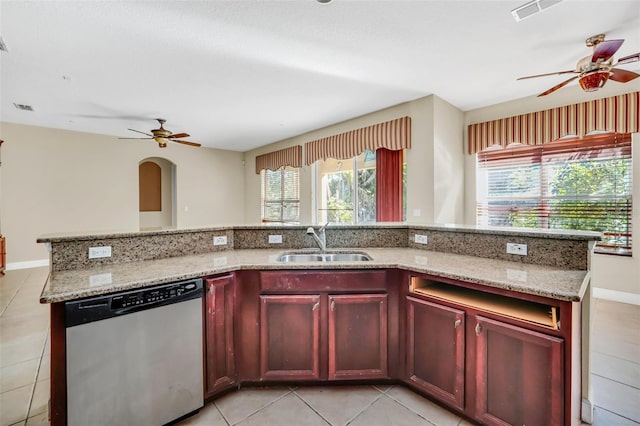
(142, 298)
(91, 309)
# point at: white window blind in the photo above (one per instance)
(280, 195)
(583, 184)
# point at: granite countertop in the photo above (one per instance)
(538, 280)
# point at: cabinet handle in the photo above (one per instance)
(478, 329)
(457, 323)
(316, 306)
(333, 305)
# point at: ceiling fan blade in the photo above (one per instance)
(628, 59)
(187, 143)
(179, 135)
(605, 50)
(622, 76)
(138, 131)
(136, 138)
(558, 86)
(550, 73)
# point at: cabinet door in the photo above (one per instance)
(519, 377)
(436, 350)
(290, 337)
(219, 306)
(358, 336)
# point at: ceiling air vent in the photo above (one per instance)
(23, 107)
(531, 8)
(3, 45)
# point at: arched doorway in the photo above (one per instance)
(156, 188)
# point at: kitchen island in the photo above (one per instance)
(408, 292)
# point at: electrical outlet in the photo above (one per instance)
(519, 249)
(421, 239)
(97, 252)
(220, 240)
(275, 239)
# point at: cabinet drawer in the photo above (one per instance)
(322, 281)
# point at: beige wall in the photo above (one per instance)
(609, 272)
(434, 162)
(62, 181)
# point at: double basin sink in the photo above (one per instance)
(323, 257)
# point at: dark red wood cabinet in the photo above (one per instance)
(436, 350)
(321, 325)
(290, 337)
(357, 336)
(219, 318)
(496, 358)
(519, 375)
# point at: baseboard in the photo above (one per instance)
(587, 411)
(28, 264)
(616, 296)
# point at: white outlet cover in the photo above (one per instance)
(519, 249)
(275, 239)
(220, 240)
(421, 239)
(98, 252)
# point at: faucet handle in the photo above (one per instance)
(322, 228)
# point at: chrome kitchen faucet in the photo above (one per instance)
(320, 237)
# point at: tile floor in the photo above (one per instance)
(24, 376)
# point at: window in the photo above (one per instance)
(280, 195)
(342, 199)
(582, 184)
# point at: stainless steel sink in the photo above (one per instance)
(323, 257)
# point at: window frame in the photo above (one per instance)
(591, 152)
(282, 202)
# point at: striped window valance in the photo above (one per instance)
(291, 156)
(393, 135)
(618, 114)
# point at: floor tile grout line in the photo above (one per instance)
(352, 419)
(616, 414)
(33, 391)
(410, 409)
(24, 280)
(213, 403)
(308, 404)
(258, 410)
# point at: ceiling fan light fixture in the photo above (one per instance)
(594, 80)
(162, 142)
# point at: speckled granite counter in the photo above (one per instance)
(548, 281)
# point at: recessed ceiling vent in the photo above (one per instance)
(531, 8)
(23, 107)
(3, 45)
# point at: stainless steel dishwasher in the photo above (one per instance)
(136, 357)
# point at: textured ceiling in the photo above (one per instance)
(240, 74)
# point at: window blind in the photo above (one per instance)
(583, 184)
(280, 194)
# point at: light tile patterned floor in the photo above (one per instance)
(24, 376)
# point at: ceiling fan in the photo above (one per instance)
(594, 70)
(162, 135)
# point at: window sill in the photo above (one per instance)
(613, 251)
